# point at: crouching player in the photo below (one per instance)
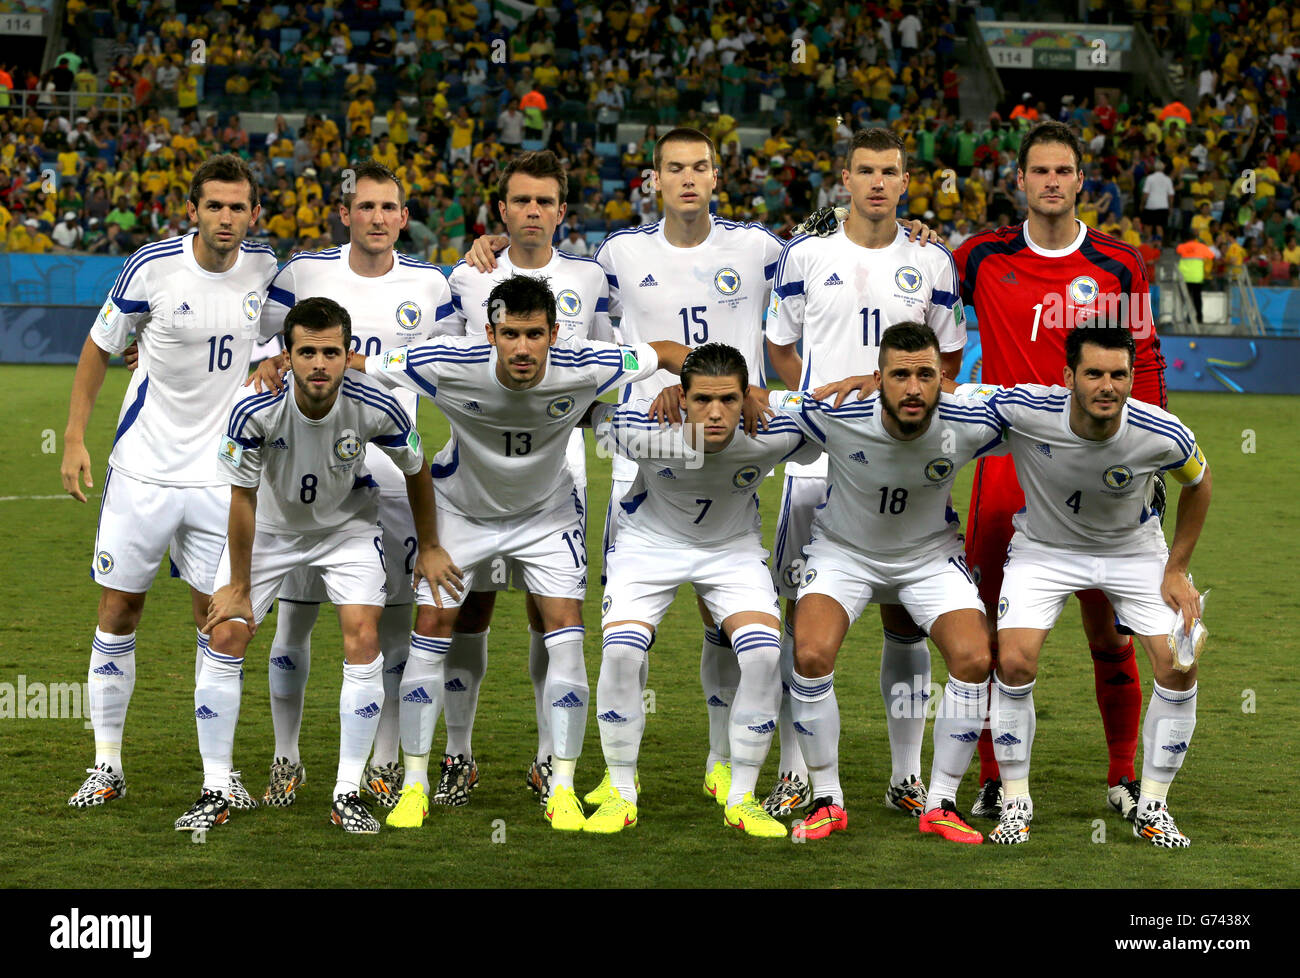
(301, 498)
(1088, 456)
(691, 516)
(887, 534)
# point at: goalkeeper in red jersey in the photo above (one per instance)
(1030, 284)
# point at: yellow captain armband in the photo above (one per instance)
(1191, 471)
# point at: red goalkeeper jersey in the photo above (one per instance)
(1027, 299)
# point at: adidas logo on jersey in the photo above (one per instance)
(966, 736)
(472, 406)
(280, 443)
(1009, 278)
(109, 669)
(715, 700)
(609, 716)
(568, 701)
(454, 686)
(203, 713)
(283, 662)
(183, 310)
(666, 473)
(1178, 748)
(801, 729)
(648, 280)
(833, 280)
(1007, 740)
(1043, 449)
(763, 728)
(417, 695)
(368, 711)
(859, 457)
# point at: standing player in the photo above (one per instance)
(837, 293)
(1030, 284)
(392, 300)
(694, 278)
(1087, 458)
(505, 493)
(196, 304)
(692, 517)
(301, 497)
(887, 532)
(532, 192)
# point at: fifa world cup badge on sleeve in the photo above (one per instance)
(413, 440)
(774, 306)
(107, 316)
(791, 400)
(630, 362)
(232, 453)
(395, 360)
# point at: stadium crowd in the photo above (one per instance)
(422, 89)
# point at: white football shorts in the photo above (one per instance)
(1037, 581)
(548, 550)
(643, 578)
(617, 490)
(140, 521)
(305, 586)
(928, 586)
(800, 498)
(350, 563)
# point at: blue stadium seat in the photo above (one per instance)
(607, 149)
(214, 80)
(597, 226)
(533, 145)
(281, 10)
(289, 36)
(360, 38)
(985, 13)
(607, 187)
(595, 237)
(815, 179)
(610, 169)
(391, 6)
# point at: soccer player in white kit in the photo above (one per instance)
(301, 496)
(692, 517)
(888, 533)
(196, 304)
(392, 300)
(505, 493)
(1087, 456)
(837, 294)
(693, 278)
(532, 191)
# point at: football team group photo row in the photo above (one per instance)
(704, 361)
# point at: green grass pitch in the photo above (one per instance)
(1245, 738)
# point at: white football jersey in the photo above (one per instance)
(887, 498)
(411, 303)
(683, 497)
(714, 292)
(839, 297)
(579, 284)
(506, 456)
(1092, 496)
(196, 330)
(311, 476)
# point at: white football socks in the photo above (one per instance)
(567, 693)
(755, 707)
(420, 704)
(814, 708)
(395, 645)
(466, 666)
(1012, 722)
(288, 666)
(791, 760)
(719, 677)
(361, 703)
(957, 727)
(620, 711)
(904, 684)
(1166, 735)
(216, 713)
(110, 682)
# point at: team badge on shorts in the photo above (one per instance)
(746, 476)
(1083, 290)
(103, 561)
(568, 303)
(727, 280)
(409, 315)
(939, 469)
(561, 406)
(808, 577)
(347, 447)
(604, 605)
(1003, 604)
(907, 278)
(1118, 477)
(252, 306)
